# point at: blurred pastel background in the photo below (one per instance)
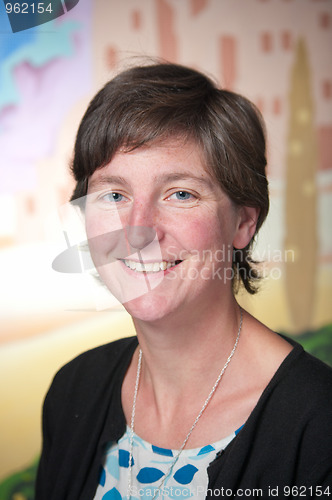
(276, 52)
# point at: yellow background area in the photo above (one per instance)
(26, 371)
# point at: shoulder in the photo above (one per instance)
(306, 409)
(299, 393)
(293, 418)
(306, 377)
(96, 366)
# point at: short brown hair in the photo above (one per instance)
(148, 103)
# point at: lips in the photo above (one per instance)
(149, 267)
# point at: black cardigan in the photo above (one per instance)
(286, 441)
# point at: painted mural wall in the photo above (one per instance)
(276, 52)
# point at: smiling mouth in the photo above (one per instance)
(149, 267)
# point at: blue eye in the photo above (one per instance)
(182, 195)
(113, 197)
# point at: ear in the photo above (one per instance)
(247, 223)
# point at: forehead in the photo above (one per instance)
(170, 160)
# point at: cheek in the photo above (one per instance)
(102, 240)
(99, 249)
(198, 234)
(94, 223)
(211, 236)
(100, 223)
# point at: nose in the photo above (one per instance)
(141, 224)
(140, 237)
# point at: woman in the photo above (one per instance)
(206, 401)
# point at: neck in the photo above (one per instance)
(178, 353)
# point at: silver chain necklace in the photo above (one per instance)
(206, 402)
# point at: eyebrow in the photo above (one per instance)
(168, 177)
(178, 176)
(104, 180)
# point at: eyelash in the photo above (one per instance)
(107, 196)
(110, 197)
(191, 196)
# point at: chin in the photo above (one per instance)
(148, 307)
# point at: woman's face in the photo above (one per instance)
(161, 230)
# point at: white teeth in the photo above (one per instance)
(148, 267)
(140, 267)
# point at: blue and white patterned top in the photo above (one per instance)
(189, 478)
